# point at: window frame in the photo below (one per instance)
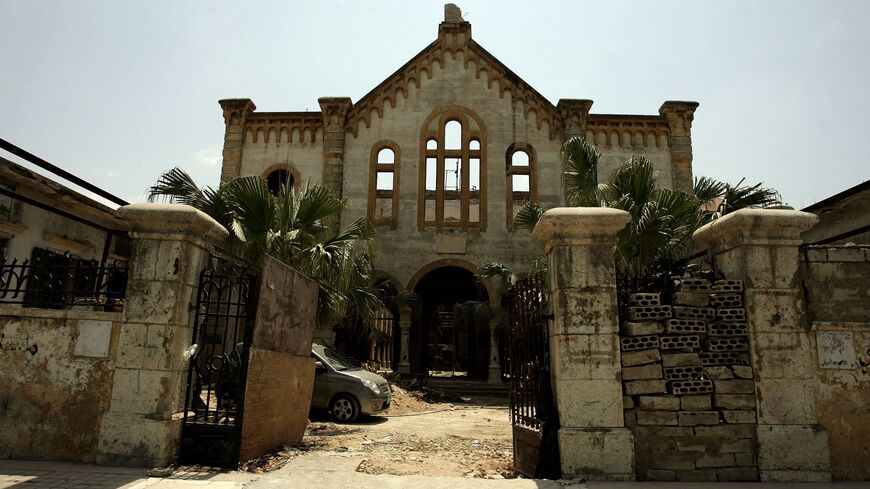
(472, 129)
(281, 166)
(511, 170)
(374, 168)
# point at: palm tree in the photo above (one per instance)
(291, 226)
(658, 238)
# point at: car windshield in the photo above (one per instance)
(337, 361)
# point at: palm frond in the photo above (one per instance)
(527, 217)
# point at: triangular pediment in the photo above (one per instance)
(454, 41)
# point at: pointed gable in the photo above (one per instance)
(454, 39)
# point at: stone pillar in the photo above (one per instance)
(494, 376)
(405, 327)
(760, 247)
(679, 116)
(584, 341)
(170, 248)
(235, 113)
(334, 110)
(574, 113)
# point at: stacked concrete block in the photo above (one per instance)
(687, 380)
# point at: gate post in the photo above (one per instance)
(170, 248)
(584, 341)
(405, 328)
(760, 247)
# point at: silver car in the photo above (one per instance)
(344, 389)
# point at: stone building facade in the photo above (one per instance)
(440, 156)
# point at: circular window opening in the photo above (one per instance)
(278, 179)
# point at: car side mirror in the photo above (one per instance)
(318, 366)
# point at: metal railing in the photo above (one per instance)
(55, 281)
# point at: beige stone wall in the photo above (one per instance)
(57, 370)
(837, 290)
(299, 148)
(453, 72)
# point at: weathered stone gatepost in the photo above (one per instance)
(760, 247)
(584, 341)
(170, 248)
(494, 376)
(405, 328)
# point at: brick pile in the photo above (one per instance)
(688, 384)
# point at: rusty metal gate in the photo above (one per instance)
(214, 400)
(533, 413)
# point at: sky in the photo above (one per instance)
(119, 91)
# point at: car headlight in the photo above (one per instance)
(371, 385)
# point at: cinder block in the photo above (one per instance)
(627, 402)
(644, 299)
(713, 358)
(635, 343)
(727, 343)
(688, 284)
(734, 315)
(651, 371)
(665, 418)
(649, 313)
(745, 459)
(724, 286)
(681, 342)
(701, 313)
(682, 387)
(643, 328)
(659, 403)
(727, 329)
(680, 359)
(684, 373)
(642, 357)
(686, 326)
(698, 418)
(635, 387)
(815, 254)
(726, 301)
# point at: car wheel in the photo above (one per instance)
(344, 409)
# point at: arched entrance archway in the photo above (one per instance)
(444, 338)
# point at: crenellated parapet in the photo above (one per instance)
(634, 132)
(290, 127)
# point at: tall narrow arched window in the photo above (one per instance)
(384, 184)
(521, 179)
(452, 170)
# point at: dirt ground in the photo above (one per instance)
(414, 437)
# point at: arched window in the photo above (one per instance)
(521, 179)
(280, 175)
(384, 184)
(452, 170)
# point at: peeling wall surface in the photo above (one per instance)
(837, 290)
(56, 373)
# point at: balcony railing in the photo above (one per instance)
(55, 281)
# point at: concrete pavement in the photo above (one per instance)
(21, 474)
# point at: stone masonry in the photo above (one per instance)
(688, 383)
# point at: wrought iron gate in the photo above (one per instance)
(533, 412)
(213, 408)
